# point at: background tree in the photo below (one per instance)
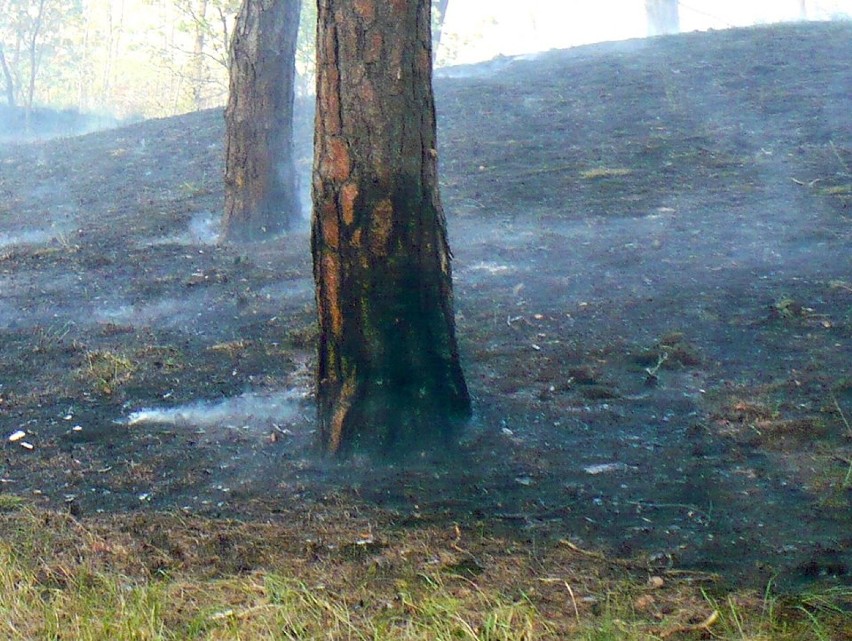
(439, 14)
(16, 26)
(261, 186)
(663, 17)
(8, 79)
(127, 57)
(388, 372)
(110, 39)
(208, 23)
(32, 31)
(37, 19)
(13, 19)
(306, 50)
(199, 76)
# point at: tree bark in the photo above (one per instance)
(261, 185)
(389, 377)
(663, 17)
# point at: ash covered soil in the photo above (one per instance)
(654, 303)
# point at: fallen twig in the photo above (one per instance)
(652, 371)
(842, 415)
(598, 556)
(704, 626)
(545, 170)
(806, 184)
(579, 550)
(691, 575)
(679, 506)
(838, 284)
(837, 155)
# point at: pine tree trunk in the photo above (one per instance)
(261, 185)
(389, 377)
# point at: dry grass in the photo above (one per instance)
(838, 190)
(604, 172)
(165, 576)
(106, 370)
(810, 441)
(231, 348)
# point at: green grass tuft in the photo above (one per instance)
(59, 579)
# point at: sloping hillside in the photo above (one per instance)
(653, 286)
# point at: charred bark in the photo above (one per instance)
(261, 184)
(389, 377)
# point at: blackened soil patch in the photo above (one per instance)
(654, 298)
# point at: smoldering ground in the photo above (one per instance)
(652, 295)
(44, 123)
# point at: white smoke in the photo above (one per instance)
(32, 237)
(245, 411)
(203, 229)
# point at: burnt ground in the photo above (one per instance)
(654, 303)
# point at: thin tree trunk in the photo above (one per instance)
(198, 56)
(33, 51)
(261, 185)
(10, 82)
(389, 376)
(115, 28)
(663, 17)
(85, 68)
(226, 37)
(441, 6)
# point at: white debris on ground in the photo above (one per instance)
(17, 437)
(492, 268)
(604, 468)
